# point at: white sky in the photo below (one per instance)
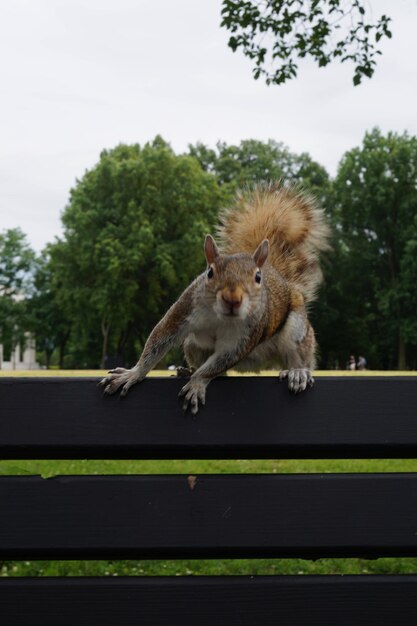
(78, 76)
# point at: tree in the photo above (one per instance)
(276, 33)
(16, 281)
(376, 201)
(49, 319)
(16, 263)
(133, 234)
(253, 161)
(408, 295)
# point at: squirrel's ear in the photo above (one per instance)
(210, 249)
(261, 253)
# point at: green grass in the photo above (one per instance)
(55, 468)
(208, 567)
(236, 567)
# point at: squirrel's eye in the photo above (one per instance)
(258, 277)
(210, 272)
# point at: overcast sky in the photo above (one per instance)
(78, 76)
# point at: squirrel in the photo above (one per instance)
(248, 309)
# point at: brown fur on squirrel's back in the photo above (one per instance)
(292, 222)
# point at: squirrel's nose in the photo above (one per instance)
(233, 298)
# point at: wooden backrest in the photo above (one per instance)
(209, 516)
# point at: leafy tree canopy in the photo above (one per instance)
(133, 235)
(16, 263)
(133, 232)
(16, 284)
(49, 318)
(376, 201)
(274, 34)
(252, 161)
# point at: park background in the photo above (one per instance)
(136, 125)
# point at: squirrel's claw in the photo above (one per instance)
(298, 379)
(194, 392)
(118, 377)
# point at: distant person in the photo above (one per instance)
(351, 364)
(361, 365)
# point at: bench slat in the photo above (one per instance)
(235, 601)
(244, 418)
(210, 516)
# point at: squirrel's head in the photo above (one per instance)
(234, 282)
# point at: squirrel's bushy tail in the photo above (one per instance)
(294, 225)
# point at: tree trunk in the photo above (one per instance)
(62, 346)
(123, 339)
(105, 329)
(402, 356)
(48, 354)
(61, 354)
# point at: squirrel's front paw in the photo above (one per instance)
(194, 392)
(118, 377)
(298, 379)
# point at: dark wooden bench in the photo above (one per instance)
(209, 516)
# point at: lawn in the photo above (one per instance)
(188, 567)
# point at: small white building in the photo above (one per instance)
(19, 362)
